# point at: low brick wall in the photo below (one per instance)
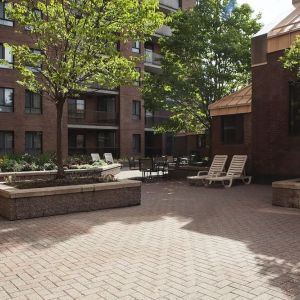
(184, 172)
(16, 204)
(286, 193)
(113, 169)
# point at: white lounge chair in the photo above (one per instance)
(216, 168)
(95, 157)
(236, 171)
(108, 158)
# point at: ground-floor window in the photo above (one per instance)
(233, 129)
(33, 142)
(106, 139)
(6, 142)
(295, 108)
(136, 143)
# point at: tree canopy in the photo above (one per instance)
(207, 57)
(74, 44)
(291, 58)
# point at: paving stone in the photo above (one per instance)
(182, 243)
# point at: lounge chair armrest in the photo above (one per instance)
(202, 173)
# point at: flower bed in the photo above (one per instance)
(32, 175)
(45, 162)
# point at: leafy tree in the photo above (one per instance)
(207, 57)
(291, 58)
(78, 42)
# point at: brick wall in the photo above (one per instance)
(275, 152)
(18, 121)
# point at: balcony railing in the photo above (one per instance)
(164, 30)
(101, 150)
(152, 152)
(92, 117)
(97, 88)
(172, 4)
(152, 57)
(152, 121)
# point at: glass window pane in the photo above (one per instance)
(36, 103)
(6, 142)
(8, 55)
(8, 97)
(80, 105)
(2, 16)
(295, 108)
(80, 141)
(1, 51)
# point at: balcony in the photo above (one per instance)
(152, 61)
(171, 5)
(92, 117)
(97, 89)
(164, 30)
(152, 121)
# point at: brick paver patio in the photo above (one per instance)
(181, 243)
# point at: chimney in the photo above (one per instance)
(296, 2)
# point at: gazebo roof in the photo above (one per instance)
(236, 103)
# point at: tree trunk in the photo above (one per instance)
(59, 155)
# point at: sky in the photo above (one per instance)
(270, 9)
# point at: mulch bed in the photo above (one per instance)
(40, 183)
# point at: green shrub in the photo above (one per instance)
(46, 161)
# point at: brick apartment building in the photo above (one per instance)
(263, 120)
(100, 121)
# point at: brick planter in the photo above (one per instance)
(286, 193)
(16, 204)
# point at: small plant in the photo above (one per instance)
(10, 179)
(109, 178)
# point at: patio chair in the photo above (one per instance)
(146, 166)
(236, 171)
(108, 158)
(216, 168)
(95, 157)
(133, 163)
(161, 165)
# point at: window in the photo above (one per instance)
(233, 129)
(106, 139)
(7, 56)
(136, 143)
(295, 108)
(136, 110)
(80, 141)
(33, 103)
(107, 104)
(76, 141)
(33, 142)
(138, 81)
(6, 100)
(136, 47)
(76, 108)
(6, 142)
(37, 67)
(4, 20)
